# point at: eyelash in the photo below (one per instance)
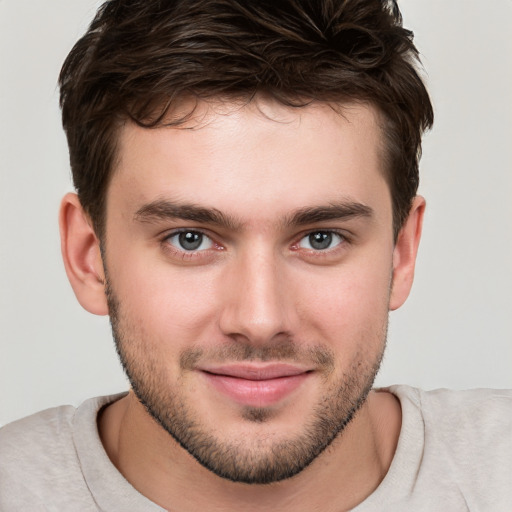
(185, 255)
(320, 254)
(207, 253)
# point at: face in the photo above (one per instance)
(249, 263)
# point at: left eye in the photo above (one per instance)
(320, 240)
(190, 241)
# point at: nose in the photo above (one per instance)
(257, 304)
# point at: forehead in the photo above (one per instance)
(257, 157)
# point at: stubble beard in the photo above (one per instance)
(259, 460)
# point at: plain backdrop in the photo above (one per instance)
(454, 331)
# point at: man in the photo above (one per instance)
(247, 216)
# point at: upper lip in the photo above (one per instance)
(255, 371)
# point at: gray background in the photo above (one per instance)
(455, 330)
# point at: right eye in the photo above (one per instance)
(189, 241)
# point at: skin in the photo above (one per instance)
(256, 283)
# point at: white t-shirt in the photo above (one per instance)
(454, 454)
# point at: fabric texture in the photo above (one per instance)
(454, 454)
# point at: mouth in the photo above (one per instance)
(256, 385)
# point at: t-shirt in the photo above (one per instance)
(454, 454)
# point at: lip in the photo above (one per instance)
(256, 385)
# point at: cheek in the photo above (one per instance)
(172, 304)
(347, 304)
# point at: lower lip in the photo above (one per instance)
(256, 393)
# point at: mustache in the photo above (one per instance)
(281, 351)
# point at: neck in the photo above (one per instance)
(348, 471)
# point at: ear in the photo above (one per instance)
(82, 257)
(404, 254)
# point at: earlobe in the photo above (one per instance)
(404, 254)
(82, 256)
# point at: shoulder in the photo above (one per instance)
(467, 439)
(480, 419)
(39, 463)
(33, 452)
(470, 409)
(478, 413)
(476, 425)
(453, 402)
(35, 435)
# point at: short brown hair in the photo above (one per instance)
(140, 57)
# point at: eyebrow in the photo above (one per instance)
(333, 211)
(163, 209)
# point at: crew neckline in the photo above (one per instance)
(113, 493)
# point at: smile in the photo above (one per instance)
(256, 385)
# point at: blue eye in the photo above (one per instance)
(321, 240)
(190, 241)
